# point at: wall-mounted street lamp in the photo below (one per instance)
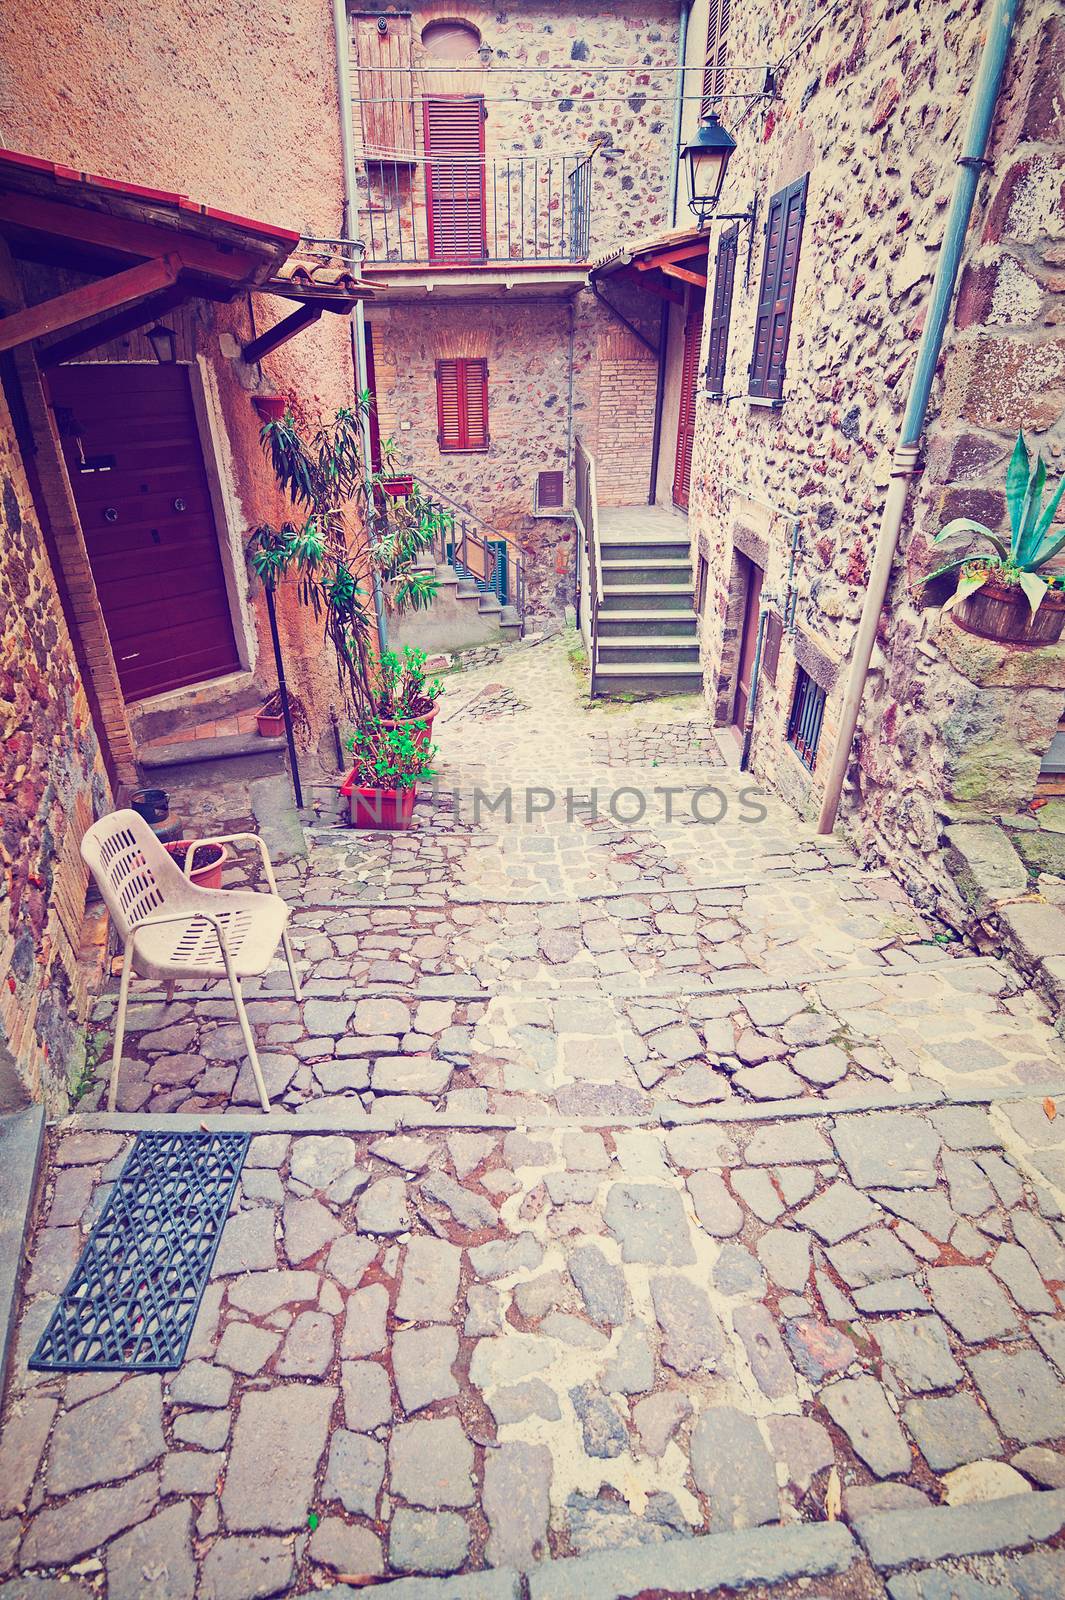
(164, 344)
(708, 157)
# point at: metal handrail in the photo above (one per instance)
(504, 208)
(455, 543)
(586, 514)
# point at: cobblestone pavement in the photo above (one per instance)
(653, 1210)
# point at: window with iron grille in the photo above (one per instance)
(462, 404)
(807, 713)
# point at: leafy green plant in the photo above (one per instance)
(1032, 544)
(388, 758)
(348, 531)
(402, 688)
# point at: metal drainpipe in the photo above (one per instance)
(358, 340)
(904, 465)
(678, 109)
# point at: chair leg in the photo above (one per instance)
(290, 958)
(120, 1024)
(171, 986)
(249, 1041)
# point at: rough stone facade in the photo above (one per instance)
(870, 108)
(52, 784)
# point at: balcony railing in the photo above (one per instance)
(502, 209)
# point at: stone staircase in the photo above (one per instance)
(647, 640)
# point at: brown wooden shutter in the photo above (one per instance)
(776, 294)
(721, 310)
(774, 630)
(716, 53)
(462, 404)
(682, 470)
(383, 87)
(454, 178)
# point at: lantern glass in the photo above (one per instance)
(163, 343)
(708, 158)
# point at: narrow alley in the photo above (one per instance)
(611, 1153)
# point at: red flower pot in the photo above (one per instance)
(398, 487)
(208, 875)
(381, 808)
(271, 407)
(271, 727)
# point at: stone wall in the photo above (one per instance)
(872, 106)
(52, 786)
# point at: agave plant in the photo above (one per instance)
(1032, 545)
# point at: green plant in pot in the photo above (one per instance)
(1008, 594)
(387, 766)
(348, 536)
(405, 696)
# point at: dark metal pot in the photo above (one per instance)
(152, 804)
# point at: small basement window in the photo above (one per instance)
(550, 491)
(807, 713)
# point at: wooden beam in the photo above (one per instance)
(125, 236)
(138, 316)
(280, 333)
(679, 252)
(104, 295)
(688, 277)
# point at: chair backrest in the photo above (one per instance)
(133, 872)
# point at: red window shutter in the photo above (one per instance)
(776, 293)
(462, 404)
(689, 377)
(721, 310)
(454, 178)
(716, 53)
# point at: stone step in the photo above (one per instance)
(649, 597)
(614, 677)
(629, 624)
(652, 571)
(655, 547)
(248, 752)
(648, 648)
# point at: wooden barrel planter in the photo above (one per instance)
(1000, 611)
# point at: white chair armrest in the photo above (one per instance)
(234, 838)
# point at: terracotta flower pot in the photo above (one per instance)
(422, 735)
(1001, 611)
(208, 875)
(382, 808)
(270, 727)
(271, 407)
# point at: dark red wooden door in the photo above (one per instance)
(454, 178)
(689, 383)
(136, 467)
(748, 642)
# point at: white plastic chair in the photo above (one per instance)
(172, 928)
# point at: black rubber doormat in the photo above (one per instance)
(134, 1294)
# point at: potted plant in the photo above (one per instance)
(404, 696)
(207, 863)
(1007, 595)
(387, 766)
(271, 407)
(350, 538)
